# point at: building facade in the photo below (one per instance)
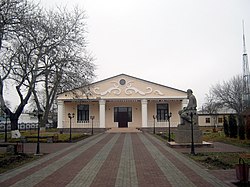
(215, 119)
(121, 101)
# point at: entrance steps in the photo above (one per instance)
(123, 130)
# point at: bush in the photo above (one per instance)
(226, 128)
(248, 128)
(232, 127)
(241, 128)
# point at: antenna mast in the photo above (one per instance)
(246, 75)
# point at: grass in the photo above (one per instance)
(61, 137)
(165, 136)
(218, 160)
(10, 161)
(221, 160)
(220, 137)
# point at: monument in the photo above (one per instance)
(189, 118)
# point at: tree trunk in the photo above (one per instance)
(14, 122)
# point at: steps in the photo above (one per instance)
(123, 130)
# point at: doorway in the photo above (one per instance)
(123, 115)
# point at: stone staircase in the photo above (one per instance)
(123, 130)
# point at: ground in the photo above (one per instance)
(119, 159)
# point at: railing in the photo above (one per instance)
(24, 126)
(81, 124)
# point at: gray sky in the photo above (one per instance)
(178, 43)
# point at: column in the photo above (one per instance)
(60, 114)
(144, 112)
(184, 103)
(102, 113)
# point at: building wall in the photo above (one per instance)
(211, 120)
(120, 90)
(136, 113)
(71, 107)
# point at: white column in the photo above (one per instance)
(184, 103)
(60, 114)
(102, 113)
(144, 112)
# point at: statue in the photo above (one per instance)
(185, 113)
(189, 123)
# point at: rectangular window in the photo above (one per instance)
(207, 120)
(162, 111)
(220, 120)
(82, 113)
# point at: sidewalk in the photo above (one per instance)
(115, 159)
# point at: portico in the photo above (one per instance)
(121, 101)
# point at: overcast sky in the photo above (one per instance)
(178, 43)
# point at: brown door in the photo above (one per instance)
(123, 119)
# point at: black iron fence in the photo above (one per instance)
(24, 126)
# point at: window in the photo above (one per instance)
(162, 111)
(119, 110)
(82, 113)
(220, 120)
(207, 120)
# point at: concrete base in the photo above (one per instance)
(188, 145)
(183, 134)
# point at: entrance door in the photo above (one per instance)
(123, 115)
(123, 119)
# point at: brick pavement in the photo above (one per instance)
(116, 159)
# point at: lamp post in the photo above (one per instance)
(192, 134)
(168, 118)
(92, 128)
(39, 114)
(70, 117)
(154, 122)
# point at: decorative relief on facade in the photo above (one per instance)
(158, 92)
(129, 89)
(115, 90)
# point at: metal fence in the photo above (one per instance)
(24, 126)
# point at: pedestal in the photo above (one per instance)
(183, 133)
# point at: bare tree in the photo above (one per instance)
(229, 94)
(46, 51)
(14, 17)
(68, 65)
(211, 107)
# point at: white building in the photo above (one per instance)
(120, 101)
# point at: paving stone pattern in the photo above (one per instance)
(115, 159)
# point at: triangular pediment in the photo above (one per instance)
(125, 87)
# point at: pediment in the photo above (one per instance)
(124, 86)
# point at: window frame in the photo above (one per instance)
(83, 114)
(124, 109)
(208, 120)
(162, 109)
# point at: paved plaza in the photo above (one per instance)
(114, 159)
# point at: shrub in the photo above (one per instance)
(232, 127)
(241, 128)
(226, 128)
(248, 128)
